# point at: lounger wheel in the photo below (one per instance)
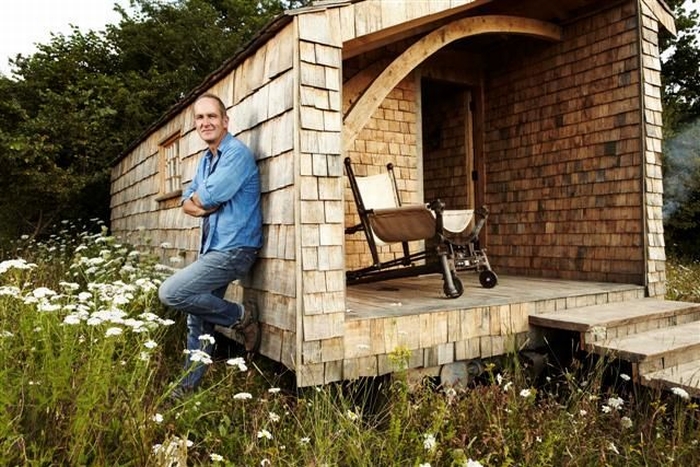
(488, 279)
(459, 287)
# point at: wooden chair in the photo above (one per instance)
(385, 220)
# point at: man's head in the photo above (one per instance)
(210, 119)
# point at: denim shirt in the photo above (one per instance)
(234, 186)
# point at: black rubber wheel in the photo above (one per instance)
(458, 285)
(488, 279)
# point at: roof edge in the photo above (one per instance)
(260, 38)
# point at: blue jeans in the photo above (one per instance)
(198, 290)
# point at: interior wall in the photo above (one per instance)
(563, 152)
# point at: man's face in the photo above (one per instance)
(211, 125)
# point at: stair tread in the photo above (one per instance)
(612, 314)
(654, 342)
(685, 375)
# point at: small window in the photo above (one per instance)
(169, 165)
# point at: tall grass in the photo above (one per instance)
(88, 358)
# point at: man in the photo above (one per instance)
(225, 194)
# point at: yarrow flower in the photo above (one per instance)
(264, 434)
(352, 416)
(273, 390)
(624, 377)
(237, 362)
(243, 396)
(150, 344)
(158, 418)
(114, 331)
(216, 457)
(626, 422)
(615, 402)
(207, 338)
(304, 440)
(473, 463)
(200, 356)
(15, 264)
(274, 417)
(680, 392)
(526, 393)
(429, 441)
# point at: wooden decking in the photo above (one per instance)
(423, 294)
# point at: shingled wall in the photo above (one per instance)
(563, 153)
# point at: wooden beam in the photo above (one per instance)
(370, 100)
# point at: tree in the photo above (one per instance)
(82, 98)
(681, 100)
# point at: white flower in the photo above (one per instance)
(613, 448)
(352, 416)
(216, 457)
(429, 442)
(16, 264)
(208, 338)
(273, 390)
(265, 462)
(616, 402)
(525, 393)
(144, 356)
(237, 362)
(113, 331)
(264, 434)
(150, 344)
(274, 417)
(499, 379)
(424, 464)
(304, 440)
(243, 396)
(43, 292)
(473, 463)
(680, 392)
(71, 319)
(200, 356)
(626, 422)
(606, 409)
(624, 377)
(583, 413)
(158, 418)
(507, 386)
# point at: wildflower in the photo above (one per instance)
(507, 386)
(613, 448)
(606, 409)
(16, 264)
(207, 338)
(680, 392)
(583, 413)
(144, 356)
(499, 379)
(265, 462)
(274, 417)
(615, 402)
(304, 440)
(352, 416)
(158, 418)
(526, 393)
(200, 356)
(150, 344)
(626, 422)
(114, 331)
(48, 307)
(43, 292)
(473, 463)
(237, 362)
(216, 457)
(243, 396)
(6, 334)
(429, 441)
(273, 390)
(264, 434)
(424, 464)
(624, 377)
(9, 290)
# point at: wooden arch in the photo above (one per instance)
(392, 75)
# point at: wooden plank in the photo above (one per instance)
(612, 314)
(685, 376)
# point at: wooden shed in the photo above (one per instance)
(549, 113)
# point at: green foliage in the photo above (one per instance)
(81, 99)
(86, 361)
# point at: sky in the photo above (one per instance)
(24, 23)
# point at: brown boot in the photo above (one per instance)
(248, 329)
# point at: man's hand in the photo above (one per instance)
(193, 207)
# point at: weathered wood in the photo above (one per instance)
(428, 45)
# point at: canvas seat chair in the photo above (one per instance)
(385, 220)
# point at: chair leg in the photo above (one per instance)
(452, 286)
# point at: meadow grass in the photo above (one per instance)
(88, 358)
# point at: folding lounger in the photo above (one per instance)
(384, 220)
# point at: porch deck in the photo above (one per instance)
(423, 294)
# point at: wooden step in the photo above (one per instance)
(655, 349)
(685, 376)
(618, 319)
